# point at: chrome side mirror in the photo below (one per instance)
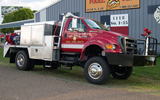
(74, 23)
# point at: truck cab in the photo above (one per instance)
(90, 38)
(87, 32)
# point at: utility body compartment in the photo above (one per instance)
(33, 34)
(39, 41)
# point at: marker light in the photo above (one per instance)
(110, 46)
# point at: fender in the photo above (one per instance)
(99, 41)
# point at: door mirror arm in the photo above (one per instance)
(71, 30)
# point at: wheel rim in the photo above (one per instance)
(95, 71)
(121, 71)
(20, 60)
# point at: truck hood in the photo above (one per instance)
(109, 34)
(112, 34)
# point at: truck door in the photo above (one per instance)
(74, 40)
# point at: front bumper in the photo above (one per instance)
(140, 60)
(130, 59)
(120, 59)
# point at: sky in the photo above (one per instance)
(33, 4)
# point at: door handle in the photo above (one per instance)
(65, 35)
(84, 36)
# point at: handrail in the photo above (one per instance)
(147, 45)
(56, 44)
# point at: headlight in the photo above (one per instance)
(110, 46)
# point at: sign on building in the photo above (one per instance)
(119, 20)
(117, 23)
(8, 9)
(157, 15)
(103, 5)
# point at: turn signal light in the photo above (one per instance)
(110, 46)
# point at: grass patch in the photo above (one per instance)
(143, 79)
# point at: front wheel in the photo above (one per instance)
(121, 72)
(97, 70)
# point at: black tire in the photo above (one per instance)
(32, 64)
(22, 60)
(101, 68)
(121, 72)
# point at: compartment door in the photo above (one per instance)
(25, 38)
(48, 48)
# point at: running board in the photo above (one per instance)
(48, 64)
(68, 64)
(67, 68)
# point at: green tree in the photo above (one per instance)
(22, 14)
(34, 11)
(7, 18)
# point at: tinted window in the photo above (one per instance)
(70, 24)
(80, 24)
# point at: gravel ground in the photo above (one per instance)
(20, 85)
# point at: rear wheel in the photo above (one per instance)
(97, 70)
(32, 64)
(22, 60)
(121, 72)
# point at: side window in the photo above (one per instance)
(70, 24)
(80, 24)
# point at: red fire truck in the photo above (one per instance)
(78, 41)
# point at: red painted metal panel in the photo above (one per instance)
(123, 29)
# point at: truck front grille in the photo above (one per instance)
(128, 45)
(131, 46)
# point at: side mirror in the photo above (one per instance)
(74, 23)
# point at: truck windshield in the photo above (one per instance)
(94, 24)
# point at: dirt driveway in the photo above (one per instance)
(20, 85)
